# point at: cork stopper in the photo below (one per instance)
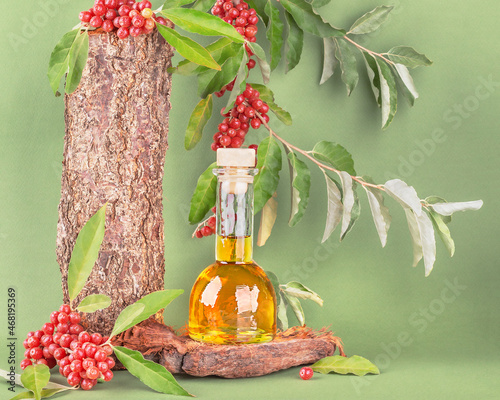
(244, 158)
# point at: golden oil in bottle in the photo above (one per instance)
(233, 301)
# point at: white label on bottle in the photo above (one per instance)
(211, 292)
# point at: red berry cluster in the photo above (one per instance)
(208, 228)
(127, 16)
(82, 358)
(243, 115)
(240, 16)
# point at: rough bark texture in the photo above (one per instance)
(180, 354)
(114, 151)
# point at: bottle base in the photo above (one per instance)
(231, 336)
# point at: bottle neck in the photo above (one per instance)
(234, 242)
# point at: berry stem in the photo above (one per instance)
(200, 225)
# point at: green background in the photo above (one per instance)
(448, 343)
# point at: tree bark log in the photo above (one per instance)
(114, 151)
(180, 354)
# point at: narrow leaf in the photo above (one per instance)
(269, 165)
(355, 213)
(308, 20)
(274, 33)
(356, 365)
(371, 21)
(335, 207)
(199, 118)
(77, 60)
(415, 236)
(239, 82)
(93, 303)
(188, 48)
(404, 195)
(408, 56)
(268, 96)
(300, 185)
(265, 69)
(59, 59)
(443, 231)
(150, 373)
(409, 89)
(178, 3)
(281, 316)
(373, 76)
(204, 195)
(267, 220)
(380, 213)
(294, 43)
(388, 93)
(126, 318)
(329, 59)
(195, 21)
(35, 377)
(297, 289)
(347, 62)
(335, 155)
(85, 252)
(426, 239)
(44, 394)
(450, 208)
(347, 201)
(296, 308)
(201, 5)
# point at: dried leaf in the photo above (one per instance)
(267, 220)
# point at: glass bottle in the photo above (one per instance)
(233, 301)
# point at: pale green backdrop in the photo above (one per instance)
(429, 340)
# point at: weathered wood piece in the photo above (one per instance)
(180, 354)
(114, 151)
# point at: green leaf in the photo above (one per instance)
(448, 209)
(150, 373)
(308, 20)
(297, 289)
(437, 199)
(259, 6)
(269, 165)
(296, 308)
(356, 365)
(77, 60)
(347, 64)
(300, 184)
(45, 393)
(199, 118)
(320, 3)
(371, 21)
(274, 33)
(380, 213)
(127, 317)
(347, 201)
(388, 92)
(329, 59)
(408, 56)
(294, 43)
(188, 48)
(335, 207)
(59, 59)
(265, 69)
(443, 231)
(404, 194)
(281, 315)
(239, 81)
(178, 3)
(221, 78)
(85, 252)
(152, 303)
(335, 155)
(200, 22)
(35, 377)
(267, 220)
(268, 96)
(355, 213)
(204, 195)
(407, 85)
(93, 303)
(373, 76)
(423, 240)
(202, 5)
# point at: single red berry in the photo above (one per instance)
(36, 353)
(30, 334)
(198, 234)
(240, 22)
(110, 362)
(244, 14)
(223, 127)
(86, 384)
(27, 353)
(64, 361)
(59, 353)
(104, 340)
(96, 2)
(124, 10)
(244, 126)
(257, 104)
(235, 123)
(217, 136)
(135, 31)
(107, 375)
(231, 132)
(250, 112)
(211, 222)
(252, 11)
(242, 6)
(216, 10)
(233, 13)
(48, 328)
(102, 366)
(265, 117)
(125, 21)
(122, 32)
(85, 16)
(76, 366)
(214, 209)
(52, 348)
(149, 24)
(65, 340)
(53, 317)
(42, 361)
(75, 329)
(243, 118)
(138, 21)
(79, 354)
(38, 334)
(206, 231)
(74, 378)
(306, 373)
(240, 30)
(92, 372)
(227, 6)
(252, 39)
(251, 63)
(111, 3)
(107, 26)
(84, 337)
(25, 344)
(96, 21)
(51, 362)
(96, 338)
(66, 371)
(236, 142)
(250, 31)
(100, 9)
(248, 92)
(111, 14)
(224, 141)
(100, 355)
(255, 123)
(57, 336)
(87, 363)
(25, 363)
(46, 353)
(264, 109)
(65, 308)
(161, 21)
(253, 19)
(116, 22)
(33, 342)
(46, 340)
(90, 350)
